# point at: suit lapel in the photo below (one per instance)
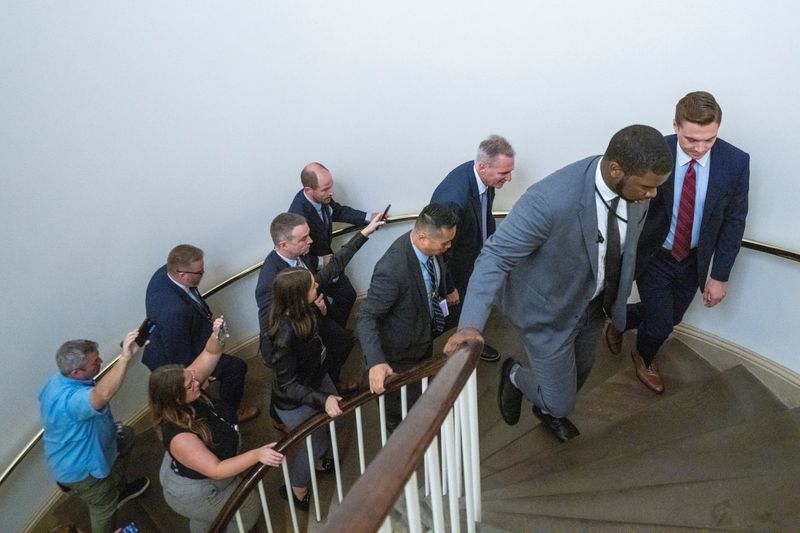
(668, 189)
(312, 217)
(587, 215)
(716, 176)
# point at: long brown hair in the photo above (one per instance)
(168, 402)
(290, 302)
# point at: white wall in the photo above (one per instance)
(128, 127)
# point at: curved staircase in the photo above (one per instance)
(716, 452)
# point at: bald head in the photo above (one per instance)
(317, 182)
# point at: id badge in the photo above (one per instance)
(444, 308)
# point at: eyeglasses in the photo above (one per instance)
(198, 273)
(193, 383)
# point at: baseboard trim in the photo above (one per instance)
(723, 354)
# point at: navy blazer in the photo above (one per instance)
(275, 263)
(394, 323)
(182, 325)
(459, 191)
(319, 234)
(724, 213)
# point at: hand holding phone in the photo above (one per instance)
(145, 330)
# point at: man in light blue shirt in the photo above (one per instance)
(85, 451)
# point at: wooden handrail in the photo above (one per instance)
(372, 497)
(349, 404)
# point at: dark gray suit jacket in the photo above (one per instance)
(394, 323)
(540, 267)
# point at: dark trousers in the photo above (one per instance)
(343, 296)
(338, 345)
(230, 373)
(666, 289)
(394, 413)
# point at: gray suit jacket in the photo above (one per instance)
(394, 323)
(540, 267)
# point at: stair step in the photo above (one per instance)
(509, 521)
(764, 445)
(723, 400)
(616, 398)
(759, 503)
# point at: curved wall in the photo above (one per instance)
(131, 127)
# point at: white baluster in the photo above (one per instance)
(313, 471)
(264, 507)
(362, 464)
(290, 495)
(412, 505)
(382, 412)
(426, 463)
(466, 442)
(449, 443)
(335, 447)
(403, 402)
(472, 389)
(432, 458)
(457, 441)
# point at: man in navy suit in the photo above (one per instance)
(183, 325)
(403, 310)
(315, 202)
(699, 213)
(291, 236)
(469, 190)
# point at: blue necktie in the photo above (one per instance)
(437, 324)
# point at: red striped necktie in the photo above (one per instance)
(682, 242)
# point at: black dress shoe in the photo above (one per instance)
(509, 398)
(562, 428)
(300, 505)
(489, 354)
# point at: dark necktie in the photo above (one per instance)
(437, 324)
(682, 242)
(326, 220)
(202, 303)
(612, 262)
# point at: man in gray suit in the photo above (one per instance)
(560, 263)
(406, 303)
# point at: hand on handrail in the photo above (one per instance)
(460, 337)
(377, 377)
(267, 455)
(332, 408)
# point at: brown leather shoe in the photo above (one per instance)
(647, 374)
(246, 413)
(613, 338)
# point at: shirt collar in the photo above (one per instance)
(317, 205)
(290, 262)
(605, 192)
(420, 256)
(481, 186)
(683, 158)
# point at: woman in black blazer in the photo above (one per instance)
(301, 386)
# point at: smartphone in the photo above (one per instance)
(385, 212)
(145, 330)
(222, 334)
